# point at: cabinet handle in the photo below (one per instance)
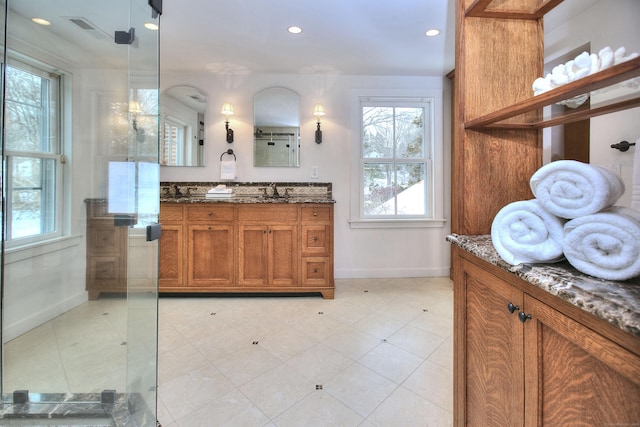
(315, 214)
(512, 307)
(315, 238)
(210, 214)
(523, 316)
(315, 270)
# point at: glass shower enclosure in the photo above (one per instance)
(80, 203)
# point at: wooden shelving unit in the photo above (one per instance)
(506, 371)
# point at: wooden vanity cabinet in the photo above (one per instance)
(229, 247)
(267, 245)
(106, 251)
(526, 358)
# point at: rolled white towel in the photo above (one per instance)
(569, 189)
(606, 244)
(523, 232)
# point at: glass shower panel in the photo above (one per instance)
(79, 280)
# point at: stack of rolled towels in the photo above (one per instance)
(572, 216)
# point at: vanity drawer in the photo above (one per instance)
(316, 239)
(171, 212)
(316, 271)
(268, 213)
(316, 213)
(209, 212)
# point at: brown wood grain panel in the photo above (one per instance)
(579, 377)
(283, 259)
(494, 351)
(170, 212)
(171, 257)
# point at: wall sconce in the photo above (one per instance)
(227, 110)
(318, 111)
(134, 110)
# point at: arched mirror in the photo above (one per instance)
(182, 124)
(276, 131)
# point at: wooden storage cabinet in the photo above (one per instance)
(227, 247)
(538, 365)
(106, 251)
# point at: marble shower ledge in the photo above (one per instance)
(618, 303)
(75, 409)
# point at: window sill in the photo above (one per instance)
(21, 253)
(397, 223)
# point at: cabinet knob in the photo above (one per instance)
(315, 238)
(210, 214)
(512, 308)
(523, 316)
(315, 214)
(315, 270)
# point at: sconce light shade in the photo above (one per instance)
(318, 111)
(227, 110)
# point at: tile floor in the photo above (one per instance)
(379, 354)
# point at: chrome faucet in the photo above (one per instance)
(275, 194)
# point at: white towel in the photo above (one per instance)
(606, 244)
(228, 169)
(523, 232)
(569, 189)
(635, 179)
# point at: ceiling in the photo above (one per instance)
(359, 37)
(354, 37)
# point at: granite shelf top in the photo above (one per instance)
(618, 303)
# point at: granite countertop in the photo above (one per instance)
(618, 303)
(245, 199)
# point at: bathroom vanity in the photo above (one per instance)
(248, 243)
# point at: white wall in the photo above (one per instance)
(613, 24)
(365, 253)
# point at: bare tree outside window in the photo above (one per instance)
(32, 147)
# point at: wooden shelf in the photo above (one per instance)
(479, 9)
(610, 76)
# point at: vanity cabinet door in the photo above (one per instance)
(171, 271)
(267, 255)
(171, 259)
(575, 376)
(489, 357)
(210, 255)
(282, 255)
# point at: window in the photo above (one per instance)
(33, 153)
(396, 154)
(174, 138)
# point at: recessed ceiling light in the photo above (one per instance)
(41, 21)
(151, 26)
(294, 29)
(432, 33)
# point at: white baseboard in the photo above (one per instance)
(390, 273)
(25, 325)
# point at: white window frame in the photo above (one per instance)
(434, 156)
(57, 152)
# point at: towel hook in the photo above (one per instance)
(229, 152)
(623, 145)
